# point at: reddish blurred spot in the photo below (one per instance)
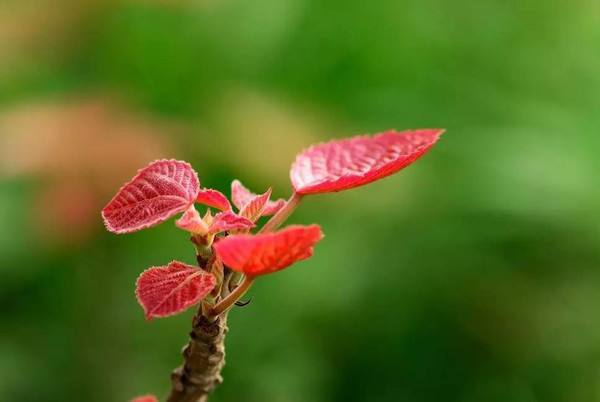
(62, 211)
(81, 151)
(145, 398)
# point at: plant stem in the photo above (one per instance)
(204, 358)
(282, 214)
(204, 355)
(234, 296)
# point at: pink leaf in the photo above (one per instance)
(213, 198)
(273, 207)
(145, 398)
(168, 290)
(192, 222)
(269, 252)
(344, 164)
(159, 191)
(225, 221)
(255, 207)
(242, 196)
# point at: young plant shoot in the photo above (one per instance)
(231, 251)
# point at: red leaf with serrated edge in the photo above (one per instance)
(268, 252)
(225, 221)
(159, 191)
(241, 196)
(255, 207)
(344, 164)
(145, 398)
(192, 222)
(213, 198)
(168, 290)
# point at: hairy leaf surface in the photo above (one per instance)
(161, 190)
(168, 290)
(344, 164)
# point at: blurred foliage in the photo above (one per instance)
(472, 276)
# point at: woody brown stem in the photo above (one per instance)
(204, 358)
(204, 354)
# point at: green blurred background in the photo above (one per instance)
(472, 276)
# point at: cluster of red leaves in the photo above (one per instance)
(166, 188)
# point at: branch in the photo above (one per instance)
(204, 358)
(282, 214)
(204, 354)
(224, 305)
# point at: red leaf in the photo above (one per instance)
(192, 222)
(213, 198)
(159, 191)
(145, 398)
(225, 221)
(269, 252)
(242, 196)
(344, 164)
(168, 290)
(255, 207)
